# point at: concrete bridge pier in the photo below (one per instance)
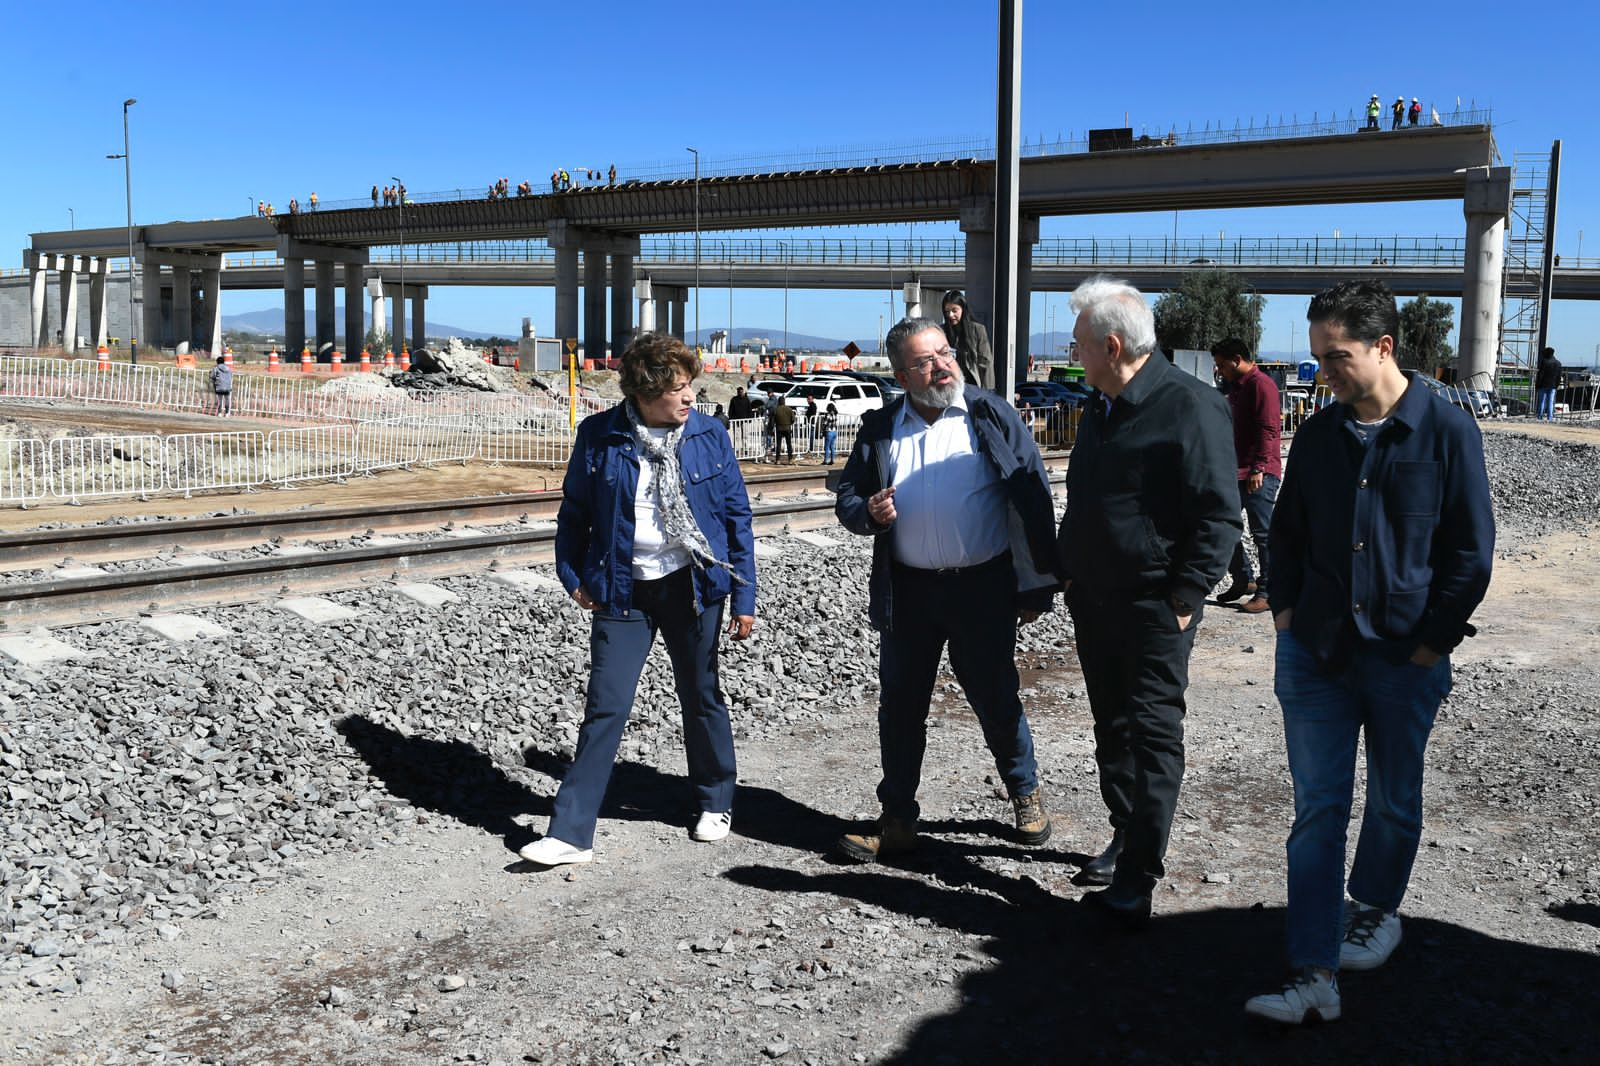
(150, 329)
(38, 306)
(419, 319)
(355, 319)
(594, 303)
(672, 308)
(211, 290)
(294, 307)
(622, 298)
(324, 283)
(566, 240)
(1027, 237)
(977, 223)
(182, 309)
(69, 302)
(380, 310)
(1486, 205)
(99, 319)
(645, 294)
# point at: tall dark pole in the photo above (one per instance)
(400, 305)
(1007, 179)
(696, 152)
(135, 325)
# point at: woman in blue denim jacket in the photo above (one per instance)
(653, 535)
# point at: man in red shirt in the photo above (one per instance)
(1257, 442)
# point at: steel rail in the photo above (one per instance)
(75, 601)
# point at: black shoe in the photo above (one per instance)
(1237, 591)
(1132, 912)
(1098, 870)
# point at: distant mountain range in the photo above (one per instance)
(270, 323)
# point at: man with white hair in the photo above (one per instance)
(951, 487)
(1152, 520)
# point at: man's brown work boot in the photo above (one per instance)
(1033, 821)
(885, 836)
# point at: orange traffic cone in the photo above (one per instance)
(338, 362)
(273, 366)
(305, 360)
(516, 362)
(366, 361)
(102, 358)
(227, 357)
(388, 358)
(405, 359)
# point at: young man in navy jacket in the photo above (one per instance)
(1381, 548)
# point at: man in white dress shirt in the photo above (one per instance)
(951, 486)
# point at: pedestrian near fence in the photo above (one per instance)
(830, 434)
(1257, 448)
(781, 417)
(653, 535)
(1547, 379)
(1381, 551)
(953, 491)
(1152, 518)
(222, 386)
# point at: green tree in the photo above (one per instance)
(1208, 306)
(1425, 327)
(377, 342)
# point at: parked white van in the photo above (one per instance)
(849, 397)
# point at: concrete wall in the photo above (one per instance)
(14, 309)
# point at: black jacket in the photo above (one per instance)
(1152, 498)
(1548, 376)
(1010, 449)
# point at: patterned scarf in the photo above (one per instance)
(666, 478)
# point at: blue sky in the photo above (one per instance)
(244, 103)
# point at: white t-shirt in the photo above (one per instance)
(951, 505)
(652, 559)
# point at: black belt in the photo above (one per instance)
(998, 562)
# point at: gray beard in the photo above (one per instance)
(937, 397)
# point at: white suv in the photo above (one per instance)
(848, 397)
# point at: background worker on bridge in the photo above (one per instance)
(969, 340)
(1416, 110)
(1373, 107)
(653, 535)
(953, 491)
(1399, 113)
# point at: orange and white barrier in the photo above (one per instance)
(273, 365)
(305, 360)
(366, 361)
(102, 359)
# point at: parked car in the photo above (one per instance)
(765, 392)
(1052, 393)
(1475, 402)
(848, 397)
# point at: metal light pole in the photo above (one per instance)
(696, 153)
(127, 185)
(72, 217)
(400, 305)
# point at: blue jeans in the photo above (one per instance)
(975, 612)
(1258, 510)
(829, 439)
(1546, 408)
(1323, 716)
(617, 650)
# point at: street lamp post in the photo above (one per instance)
(72, 217)
(127, 185)
(696, 153)
(400, 304)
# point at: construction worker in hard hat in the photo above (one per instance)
(1373, 107)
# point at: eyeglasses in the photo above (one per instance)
(918, 366)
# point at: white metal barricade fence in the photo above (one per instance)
(24, 471)
(1299, 405)
(312, 453)
(119, 385)
(32, 377)
(228, 460)
(105, 466)
(189, 390)
(537, 436)
(385, 445)
(749, 438)
(444, 440)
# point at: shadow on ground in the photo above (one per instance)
(455, 779)
(1064, 986)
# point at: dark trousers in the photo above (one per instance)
(783, 438)
(1136, 667)
(617, 650)
(975, 613)
(1258, 514)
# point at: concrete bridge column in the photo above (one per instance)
(324, 276)
(1027, 237)
(380, 310)
(152, 330)
(294, 307)
(419, 321)
(182, 310)
(1486, 204)
(977, 222)
(38, 306)
(677, 309)
(594, 303)
(621, 301)
(99, 325)
(645, 293)
(211, 281)
(355, 319)
(566, 292)
(913, 296)
(69, 303)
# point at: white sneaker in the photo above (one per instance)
(1369, 938)
(548, 851)
(1312, 996)
(712, 826)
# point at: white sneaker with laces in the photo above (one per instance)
(1312, 996)
(712, 826)
(548, 851)
(1370, 937)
